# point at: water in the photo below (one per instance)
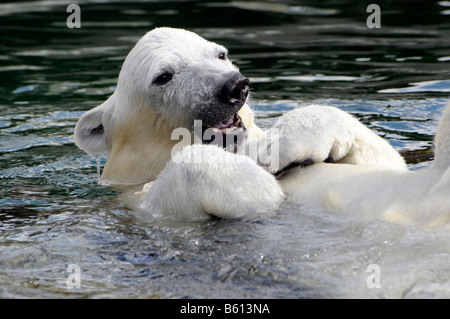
(53, 213)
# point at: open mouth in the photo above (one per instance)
(227, 134)
(229, 125)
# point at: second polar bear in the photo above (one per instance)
(174, 79)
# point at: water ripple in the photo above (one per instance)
(53, 213)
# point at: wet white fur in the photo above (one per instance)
(370, 179)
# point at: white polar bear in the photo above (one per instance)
(173, 79)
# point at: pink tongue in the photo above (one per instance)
(226, 123)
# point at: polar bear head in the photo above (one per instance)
(171, 79)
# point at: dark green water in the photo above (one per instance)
(396, 79)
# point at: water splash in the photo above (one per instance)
(99, 162)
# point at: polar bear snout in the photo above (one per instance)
(227, 97)
(235, 90)
(221, 124)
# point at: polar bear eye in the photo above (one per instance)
(163, 78)
(222, 56)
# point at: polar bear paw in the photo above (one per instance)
(205, 180)
(318, 133)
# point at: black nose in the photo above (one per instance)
(235, 89)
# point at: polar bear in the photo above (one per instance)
(175, 83)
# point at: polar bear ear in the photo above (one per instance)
(89, 134)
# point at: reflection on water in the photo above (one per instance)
(52, 212)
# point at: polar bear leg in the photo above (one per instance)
(204, 180)
(318, 133)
